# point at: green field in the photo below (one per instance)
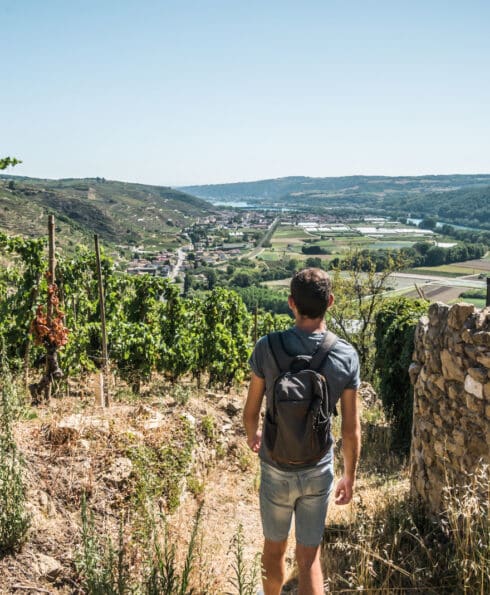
(447, 270)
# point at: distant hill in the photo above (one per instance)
(463, 199)
(121, 213)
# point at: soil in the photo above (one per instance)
(70, 449)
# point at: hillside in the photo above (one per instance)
(121, 213)
(467, 195)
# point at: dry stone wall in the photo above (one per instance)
(451, 377)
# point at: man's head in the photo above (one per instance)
(311, 293)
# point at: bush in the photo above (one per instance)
(395, 328)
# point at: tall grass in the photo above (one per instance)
(14, 519)
(466, 523)
(103, 567)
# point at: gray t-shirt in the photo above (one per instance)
(341, 369)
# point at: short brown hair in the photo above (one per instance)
(310, 290)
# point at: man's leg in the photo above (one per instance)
(311, 509)
(310, 570)
(274, 566)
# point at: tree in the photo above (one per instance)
(358, 295)
(8, 161)
(428, 223)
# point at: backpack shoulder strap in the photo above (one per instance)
(323, 350)
(281, 357)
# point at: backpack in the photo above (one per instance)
(297, 425)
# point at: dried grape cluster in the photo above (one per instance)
(53, 332)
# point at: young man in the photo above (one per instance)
(302, 489)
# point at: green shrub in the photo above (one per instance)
(395, 328)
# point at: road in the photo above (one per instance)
(178, 264)
(444, 281)
(268, 234)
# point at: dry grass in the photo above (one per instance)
(380, 543)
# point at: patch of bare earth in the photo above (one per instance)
(73, 448)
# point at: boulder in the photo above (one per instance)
(47, 567)
(459, 313)
(120, 471)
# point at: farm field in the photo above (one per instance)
(288, 241)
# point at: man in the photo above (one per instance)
(304, 490)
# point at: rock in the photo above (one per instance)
(459, 313)
(452, 366)
(233, 409)
(438, 313)
(157, 420)
(143, 411)
(190, 418)
(481, 338)
(120, 471)
(474, 404)
(484, 360)
(477, 447)
(473, 387)
(47, 567)
(459, 437)
(478, 373)
(414, 371)
(82, 424)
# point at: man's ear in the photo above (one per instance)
(331, 300)
(291, 303)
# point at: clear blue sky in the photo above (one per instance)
(207, 91)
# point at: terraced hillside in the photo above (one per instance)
(121, 213)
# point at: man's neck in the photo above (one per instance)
(311, 325)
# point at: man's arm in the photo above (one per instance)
(251, 411)
(351, 445)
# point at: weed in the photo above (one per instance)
(162, 574)
(102, 566)
(245, 576)
(246, 459)
(14, 520)
(195, 486)
(208, 426)
(181, 394)
(161, 469)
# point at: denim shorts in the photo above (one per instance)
(305, 493)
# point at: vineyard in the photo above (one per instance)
(150, 327)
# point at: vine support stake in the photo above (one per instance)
(104, 389)
(49, 307)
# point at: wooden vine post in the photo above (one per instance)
(49, 307)
(48, 328)
(104, 388)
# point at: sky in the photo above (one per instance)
(210, 91)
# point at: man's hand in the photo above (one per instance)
(254, 441)
(343, 491)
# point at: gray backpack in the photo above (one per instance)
(297, 425)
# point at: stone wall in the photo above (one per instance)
(451, 377)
